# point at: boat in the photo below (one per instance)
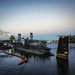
(36, 52)
(36, 47)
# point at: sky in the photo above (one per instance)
(44, 18)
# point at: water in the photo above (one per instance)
(37, 65)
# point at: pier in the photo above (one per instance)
(62, 50)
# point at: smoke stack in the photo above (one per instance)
(19, 37)
(31, 36)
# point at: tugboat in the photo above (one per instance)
(35, 52)
(35, 47)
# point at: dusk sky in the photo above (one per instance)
(44, 18)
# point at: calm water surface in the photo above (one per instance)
(38, 65)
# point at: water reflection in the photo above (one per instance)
(37, 65)
(11, 50)
(12, 53)
(62, 65)
(3, 55)
(28, 55)
(9, 66)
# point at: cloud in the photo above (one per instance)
(4, 33)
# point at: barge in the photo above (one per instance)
(35, 52)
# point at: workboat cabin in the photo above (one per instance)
(33, 44)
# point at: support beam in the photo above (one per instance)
(62, 50)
